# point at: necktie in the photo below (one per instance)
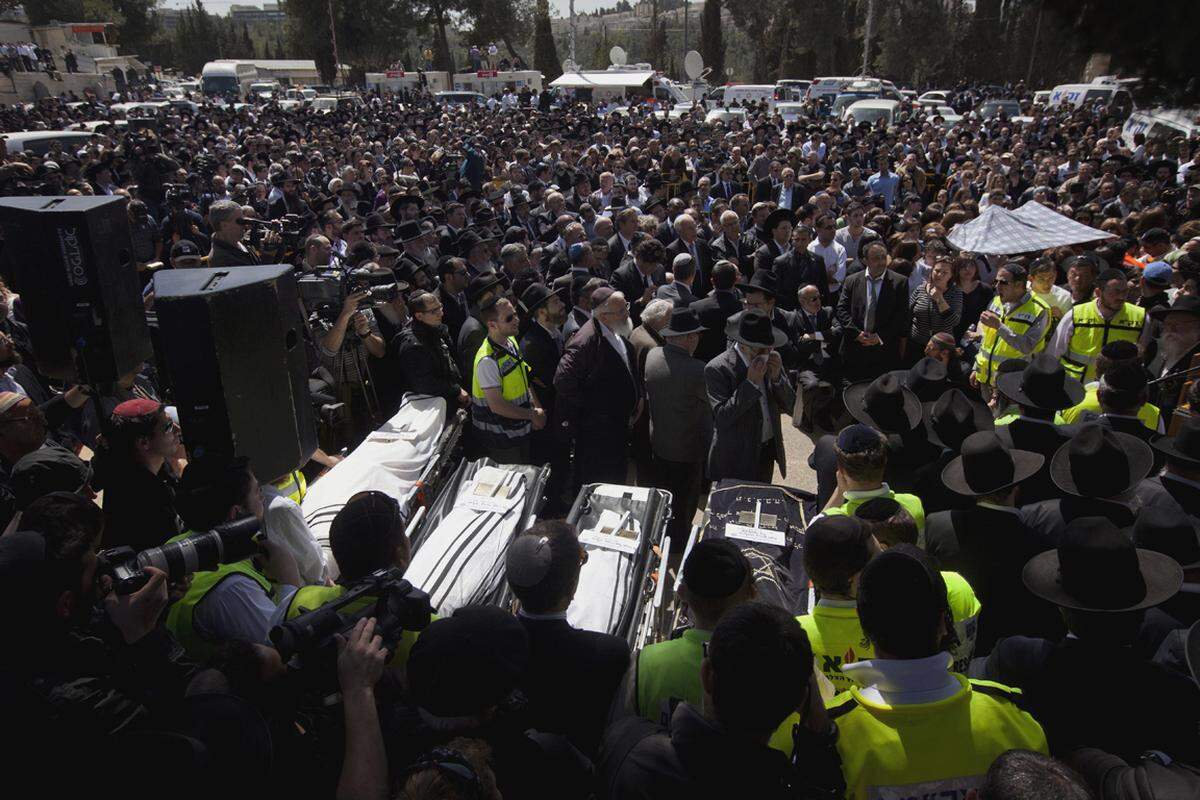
(872, 297)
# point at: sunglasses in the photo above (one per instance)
(510, 318)
(241, 221)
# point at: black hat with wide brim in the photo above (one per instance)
(1184, 446)
(754, 329)
(1096, 568)
(777, 216)
(986, 466)
(886, 404)
(1100, 462)
(953, 417)
(1044, 384)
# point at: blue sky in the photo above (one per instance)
(221, 6)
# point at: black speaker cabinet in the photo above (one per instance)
(232, 340)
(70, 260)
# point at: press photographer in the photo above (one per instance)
(229, 224)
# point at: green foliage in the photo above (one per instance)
(545, 54)
(507, 21)
(712, 42)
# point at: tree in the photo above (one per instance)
(279, 48)
(247, 45)
(509, 21)
(712, 42)
(545, 54)
(196, 39)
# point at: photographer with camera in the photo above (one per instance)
(229, 224)
(344, 342)
(236, 600)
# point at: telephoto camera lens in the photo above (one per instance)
(203, 552)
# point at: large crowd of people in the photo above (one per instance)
(1002, 546)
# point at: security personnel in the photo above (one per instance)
(504, 408)
(1111, 354)
(1089, 326)
(293, 486)
(1013, 326)
(236, 600)
(716, 577)
(368, 534)
(910, 727)
(862, 456)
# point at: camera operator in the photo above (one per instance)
(235, 601)
(181, 223)
(344, 344)
(229, 224)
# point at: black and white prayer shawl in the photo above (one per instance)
(391, 460)
(613, 585)
(458, 552)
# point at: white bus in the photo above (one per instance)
(228, 76)
(1084, 94)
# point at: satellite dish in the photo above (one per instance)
(618, 56)
(693, 64)
(729, 72)
(570, 66)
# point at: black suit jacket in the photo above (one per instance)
(1025, 434)
(990, 548)
(891, 323)
(571, 680)
(616, 251)
(629, 281)
(703, 283)
(808, 352)
(738, 418)
(764, 190)
(720, 191)
(714, 311)
(793, 272)
(764, 257)
(454, 314)
(542, 353)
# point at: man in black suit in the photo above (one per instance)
(624, 239)
(1040, 390)
(989, 544)
(725, 187)
(767, 188)
(816, 336)
(482, 288)
(1178, 488)
(1178, 345)
(797, 268)
(599, 393)
(452, 285)
(748, 389)
(873, 312)
(573, 674)
(639, 280)
(716, 309)
(688, 241)
(581, 192)
(778, 231)
(542, 347)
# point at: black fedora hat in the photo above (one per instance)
(754, 329)
(1164, 531)
(953, 417)
(763, 280)
(683, 321)
(377, 221)
(536, 294)
(1044, 384)
(885, 404)
(467, 240)
(1184, 446)
(777, 216)
(1187, 304)
(408, 231)
(986, 466)
(480, 284)
(1097, 568)
(1100, 462)
(927, 378)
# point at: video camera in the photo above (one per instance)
(200, 552)
(324, 291)
(177, 195)
(396, 605)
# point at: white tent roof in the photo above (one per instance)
(1031, 227)
(592, 80)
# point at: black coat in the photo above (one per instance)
(571, 680)
(808, 352)
(1025, 434)
(793, 272)
(470, 337)
(891, 323)
(738, 418)
(764, 258)
(714, 312)
(990, 548)
(542, 353)
(703, 283)
(454, 313)
(427, 365)
(628, 280)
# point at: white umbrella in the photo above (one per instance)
(1031, 227)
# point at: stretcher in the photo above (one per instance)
(622, 529)
(408, 458)
(460, 543)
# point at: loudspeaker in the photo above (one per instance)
(233, 344)
(70, 260)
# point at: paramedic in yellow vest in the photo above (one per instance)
(910, 727)
(1089, 326)
(1112, 355)
(235, 601)
(368, 534)
(716, 577)
(504, 408)
(1013, 326)
(284, 521)
(862, 456)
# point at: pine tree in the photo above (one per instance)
(545, 54)
(712, 42)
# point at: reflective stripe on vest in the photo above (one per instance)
(293, 487)
(310, 598)
(1091, 331)
(669, 673)
(993, 350)
(180, 616)
(497, 431)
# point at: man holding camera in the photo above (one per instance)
(229, 224)
(344, 344)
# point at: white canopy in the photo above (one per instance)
(595, 80)
(1031, 227)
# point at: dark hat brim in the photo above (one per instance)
(779, 338)
(1162, 312)
(1009, 385)
(1191, 650)
(669, 331)
(1138, 454)
(855, 396)
(1162, 574)
(1025, 466)
(984, 421)
(1166, 446)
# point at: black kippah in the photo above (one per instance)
(715, 569)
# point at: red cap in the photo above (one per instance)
(139, 407)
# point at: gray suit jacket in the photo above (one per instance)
(678, 293)
(681, 421)
(737, 415)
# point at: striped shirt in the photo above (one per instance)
(928, 319)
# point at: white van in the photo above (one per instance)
(227, 76)
(1160, 123)
(870, 111)
(39, 142)
(749, 92)
(1084, 94)
(828, 87)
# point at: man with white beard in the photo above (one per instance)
(1179, 342)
